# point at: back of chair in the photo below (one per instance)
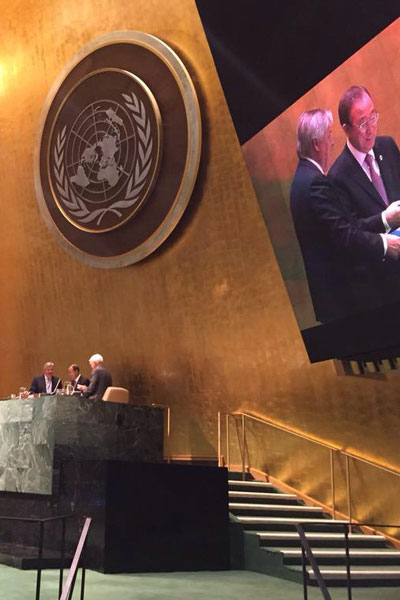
(116, 394)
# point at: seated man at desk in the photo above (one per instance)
(76, 378)
(47, 383)
(99, 381)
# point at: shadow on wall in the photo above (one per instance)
(194, 390)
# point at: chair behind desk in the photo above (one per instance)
(116, 394)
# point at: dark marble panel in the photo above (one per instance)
(103, 430)
(36, 434)
(146, 517)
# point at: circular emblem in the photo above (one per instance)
(118, 149)
(104, 154)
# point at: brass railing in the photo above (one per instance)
(243, 417)
(167, 422)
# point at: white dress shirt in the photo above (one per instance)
(360, 158)
(314, 162)
(49, 384)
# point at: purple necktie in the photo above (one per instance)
(376, 179)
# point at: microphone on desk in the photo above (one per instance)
(55, 389)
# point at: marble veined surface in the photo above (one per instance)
(37, 434)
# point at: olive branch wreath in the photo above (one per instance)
(136, 182)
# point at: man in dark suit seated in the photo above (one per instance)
(47, 383)
(99, 381)
(331, 241)
(75, 377)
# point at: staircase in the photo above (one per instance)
(272, 544)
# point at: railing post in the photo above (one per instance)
(228, 453)
(83, 583)
(60, 583)
(168, 434)
(346, 541)
(83, 569)
(333, 483)
(243, 448)
(348, 490)
(70, 581)
(219, 439)
(304, 565)
(40, 555)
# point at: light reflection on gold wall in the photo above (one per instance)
(205, 323)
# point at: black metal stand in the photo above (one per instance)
(61, 577)
(346, 541)
(68, 589)
(40, 556)
(304, 565)
(42, 522)
(307, 554)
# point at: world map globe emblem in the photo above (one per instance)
(98, 146)
(118, 149)
(105, 150)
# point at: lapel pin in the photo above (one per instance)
(380, 157)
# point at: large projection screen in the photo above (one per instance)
(271, 158)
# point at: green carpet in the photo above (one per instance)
(232, 585)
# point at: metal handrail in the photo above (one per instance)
(70, 581)
(42, 521)
(307, 551)
(285, 429)
(320, 443)
(332, 450)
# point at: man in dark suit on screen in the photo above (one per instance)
(331, 241)
(46, 383)
(366, 178)
(99, 381)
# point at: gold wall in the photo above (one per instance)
(205, 323)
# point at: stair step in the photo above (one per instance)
(360, 576)
(272, 515)
(282, 510)
(292, 520)
(287, 523)
(337, 556)
(250, 484)
(255, 486)
(317, 540)
(251, 507)
(357, 573)
(238, 476)
(266, 497)
(336, 552)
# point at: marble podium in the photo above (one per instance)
(38, 434)
(63, 455)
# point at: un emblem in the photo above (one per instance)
(106, 151)
(118, 149)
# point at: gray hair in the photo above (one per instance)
(312, 125)
(96, 358)
(48, 364)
